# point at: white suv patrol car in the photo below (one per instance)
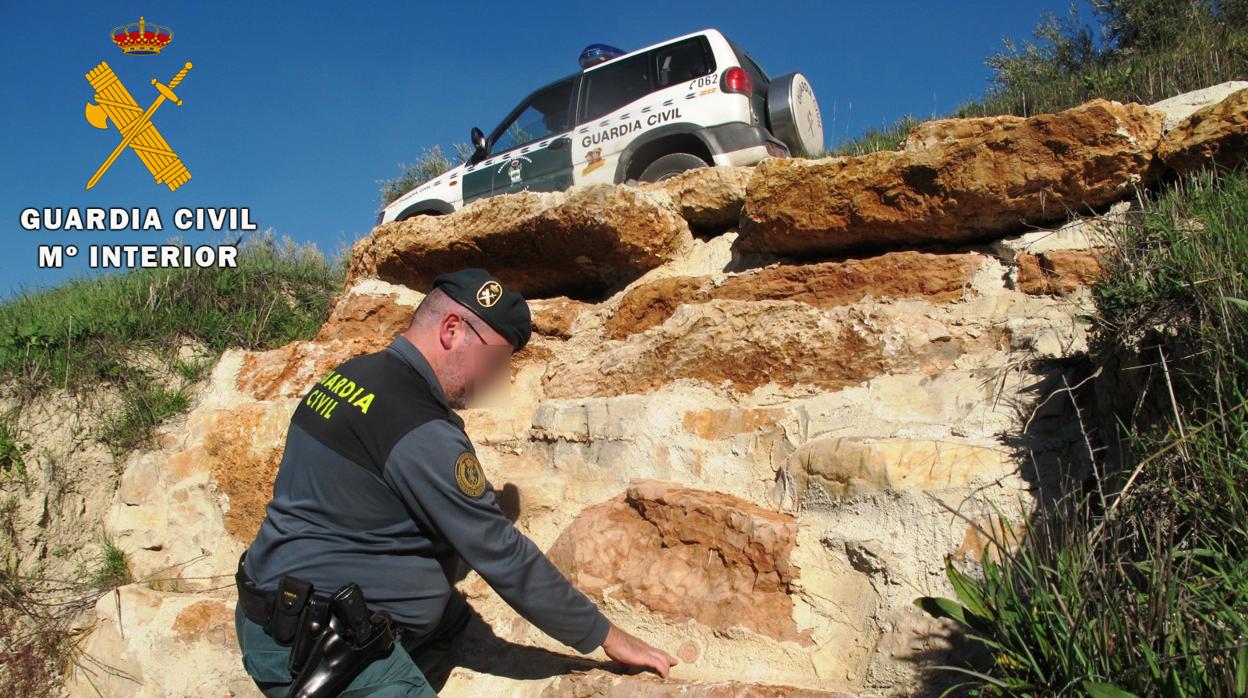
(691, 101)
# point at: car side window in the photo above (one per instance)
(613, 85)
(682, 62)
(546, 113)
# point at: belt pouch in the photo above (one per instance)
(292, 595)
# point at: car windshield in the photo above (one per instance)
(544, 114)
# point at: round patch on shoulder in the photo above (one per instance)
(468, 474)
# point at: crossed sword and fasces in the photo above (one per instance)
(135, 125)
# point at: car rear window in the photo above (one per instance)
(683, 61)
(613, 85)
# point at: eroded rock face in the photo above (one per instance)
(366, 316)
(1217, 134)
(687, 554)
(1059, 271)
(554, 317)
(958, 180)
(290, 370)
(578, 242)
(742, 345)
(937, 277)
(139, 631)
(827, 471)
(710, 198)
(1177, 108)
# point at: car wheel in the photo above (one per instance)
(671, 165)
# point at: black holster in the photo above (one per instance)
(350, 640)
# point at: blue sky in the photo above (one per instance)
(295, 110)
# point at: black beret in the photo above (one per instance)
(501, 308)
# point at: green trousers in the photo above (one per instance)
(402, 673)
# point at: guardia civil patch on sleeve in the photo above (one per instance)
(468, 474)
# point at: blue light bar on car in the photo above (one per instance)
(597, 53)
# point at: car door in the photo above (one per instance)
(531, 150)
(603, 130)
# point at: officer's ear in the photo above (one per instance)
(447, 327)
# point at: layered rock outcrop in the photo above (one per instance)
(1217, 133)
(956, 181)
(584, 240)
(752, 447)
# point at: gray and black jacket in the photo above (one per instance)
(380, 485)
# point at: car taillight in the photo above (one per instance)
(737, 80)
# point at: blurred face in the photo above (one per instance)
(480, 361)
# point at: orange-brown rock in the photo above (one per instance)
(290, 370)
(958, 181)
(242, 471)
(709, 198)
(554, 317)
(1058, 271)
(206, 620)
(715, 424)
(578, 242)
(687, 554)
(363, 315)
(1216, 134)
(741, 345)
(937, 277)
(744, 345)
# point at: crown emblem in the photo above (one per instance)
(141, 38)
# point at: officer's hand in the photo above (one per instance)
(626, 649)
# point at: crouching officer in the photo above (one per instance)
(348, 588)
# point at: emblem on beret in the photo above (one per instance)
(489, 293)
(468, 474)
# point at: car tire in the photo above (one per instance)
(671, 165)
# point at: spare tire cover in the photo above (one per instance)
(793, 114)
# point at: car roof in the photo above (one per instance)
(708, 31)
(495, 132)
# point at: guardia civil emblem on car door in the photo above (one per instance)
(514, 168)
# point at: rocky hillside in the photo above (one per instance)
(760, 409)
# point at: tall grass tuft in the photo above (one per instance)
(1146, 51)
(1146, 591)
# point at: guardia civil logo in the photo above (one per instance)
(114, 103)
(468, 474)
(489, 293)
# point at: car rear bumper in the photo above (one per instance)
(739, 143)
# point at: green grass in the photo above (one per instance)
(40, 617)
(1140, 584)
(1154, 49)
(885, 138)
(12, 451)
(98, 331)
(1161, 48)
(112, 568)
(146, 404)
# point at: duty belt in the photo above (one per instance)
(277, 611)
(332, 639)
